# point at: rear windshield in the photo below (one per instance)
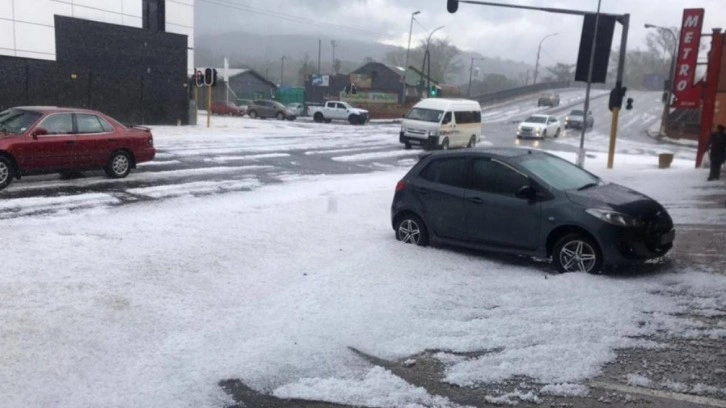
(536, 119)
(577, 113)
(425, 115)
(17, 121)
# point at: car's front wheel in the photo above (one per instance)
(472, 141)
(119, 165)
(577, 253)
(445, 144)
(280, 116)
(252, 114)
(410, 229)
(6, 172)
(557, 133)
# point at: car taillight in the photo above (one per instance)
(400, 186)
(151, 141)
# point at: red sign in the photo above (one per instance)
(688, 94)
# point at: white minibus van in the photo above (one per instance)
(440, 123)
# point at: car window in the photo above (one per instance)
(536, 119)
(58, 124)
(17, 121)
(450, 171)
(88, 123)
(464, 117)
(490, 176)
(447, 118)
(557, 172)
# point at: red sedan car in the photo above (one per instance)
(43, 139)
(226, 108)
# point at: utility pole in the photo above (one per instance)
(405, 66)
(581, 150)
(539, 49)
(618, 86)
(320, 42)
(282, 69)
(671, 77)
(471, 70)
(332, 44)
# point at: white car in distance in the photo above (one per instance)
(539, 126)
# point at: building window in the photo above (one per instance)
(154, 15)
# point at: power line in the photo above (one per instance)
(282, 16)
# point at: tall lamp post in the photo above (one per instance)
(539, 49)
(471, 70)
(671, 76)
(282, 69)
(427, 58)
(408, 49)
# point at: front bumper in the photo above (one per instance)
(622, 245)
(426, 142)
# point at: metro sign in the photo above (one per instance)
(688, 94)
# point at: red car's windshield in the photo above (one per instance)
(17, 121)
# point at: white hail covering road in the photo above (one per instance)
(152, 304)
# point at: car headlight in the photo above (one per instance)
(614, 217)
(433, 132)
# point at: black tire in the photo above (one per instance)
(407, 146)
(557, 134)
(119, 165)
(318, 117)
(445, 144)
(7, 172)
(577, 253)
(410, 229)
(544, 135)
(252, 114)
(472, 141)
(362, 120)
(354, 120)
(280, 116)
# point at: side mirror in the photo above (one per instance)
(526, 192)
(39, 132)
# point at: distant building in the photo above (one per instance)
(128, 58)
(243, 84)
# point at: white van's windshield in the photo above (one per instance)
(425, 115)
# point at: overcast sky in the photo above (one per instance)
(491, 31)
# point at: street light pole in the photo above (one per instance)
(671, 77)
(471, 69)
(427, 57)
(282, 69)
(405, 67)
(539, 49)
(580, 158)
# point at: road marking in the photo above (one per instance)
(659, 394)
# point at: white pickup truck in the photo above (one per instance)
(338, 110)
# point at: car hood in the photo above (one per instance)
(359, 111)
(575, 117)
(616, 197)
(532, 124)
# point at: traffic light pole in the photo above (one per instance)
(581, 151)
(618, 86)
(209, 105)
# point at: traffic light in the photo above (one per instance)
(616, 97)
(199, 78)
(433, 91)
(210, 77)
(629, 105)
(452, 5)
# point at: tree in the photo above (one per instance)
(306, 68)
(562, 72)
(336, 65)
(443, 58)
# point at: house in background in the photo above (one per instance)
(128, 58)
(243, 84)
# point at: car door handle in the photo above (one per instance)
(476, 200)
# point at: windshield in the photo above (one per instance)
(557, 172)
(425, 115)
(16, 121)
(577, 113)
(536, 119)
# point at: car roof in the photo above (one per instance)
(446, 103)
(493, 152)
(54, 109)
(539, 116)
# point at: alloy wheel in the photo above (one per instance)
(4, 172)
(120, 164)
(578, 255)
(409, 232)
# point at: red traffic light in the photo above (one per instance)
(199, 78)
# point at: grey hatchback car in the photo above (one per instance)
(528, 202)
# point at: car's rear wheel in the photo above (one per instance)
(318, 117)
(472, 141)
(119, 165)
(7, 172)
(410, 229)
(577, 253)
(280, 116)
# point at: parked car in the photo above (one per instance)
(297, 108)
(41, 140)
(338, 110)
(226, 108)
(269, 109)
(539, 126)
(551, 99)
(531, 203)
(575, 117)
(243, 104)
(440, 123)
